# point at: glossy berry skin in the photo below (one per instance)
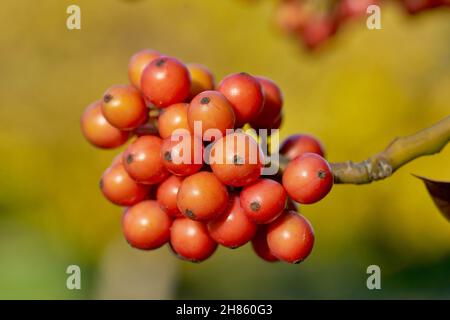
(202, 79)
(233, 228)
(137, 64)
(236, 159)
(202, 196)
(299, 144)
(318, 30)
(263, 201)
(124, 107)
(308, 178)
(119, 188)
(98, 131)
(260, 246)
(173, 118)
(273, 102)
(143, 161)
(166, 195)
(213, 111)
(190, 240)
(165, 81)
(291, 237)
(146, 226)
(245, 94)
(182, 154)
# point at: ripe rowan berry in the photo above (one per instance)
(119, 188)
(166, 195)
(263, 200)
(201, 79)
(236, 159)
(232, 228)
(137, 64)
(100, 132)
(143, 161)
(299, 144)
(290, 237)
(260, 246)
(190, 240)
(202, 196)
(273, 102)
(173, 118)
(245, 94)
(165, 81)
(146, 226)
(182, 154)
(124, 107)
(291, 15)
(213, 111)
(308, 178)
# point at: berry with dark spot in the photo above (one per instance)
(308, 178)
(172, 119)
(124, 107)
(263, 200)
(202, 196)
(165, 81)
(236, 159)
(212, 111)
(182, 154)
(146, 165)
(137, 64)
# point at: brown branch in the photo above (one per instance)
(398, 153)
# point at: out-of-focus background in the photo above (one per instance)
(360, 91)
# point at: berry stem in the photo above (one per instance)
(399, 152)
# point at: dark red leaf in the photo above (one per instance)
(440, 193)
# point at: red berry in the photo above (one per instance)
(167, 196)
(173, 118)
(245, 94)
(119, 188)
(146, 226)
(263, 200)
(290, 238)
(137, 64)
(124, 107)
(213, 111)
(299, 144)
(308, 178)
(201, 79)
(182, 154)
(190, 240)
(236, 159)
(100, 132)
(202, 196)
(143, 161)
(273, 102)
(233, 228)
(260, 246)
(165, 81)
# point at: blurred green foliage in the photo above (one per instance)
(356, 94)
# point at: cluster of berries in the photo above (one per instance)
(191, 177)
(315, 22)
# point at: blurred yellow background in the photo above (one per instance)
(356, 94)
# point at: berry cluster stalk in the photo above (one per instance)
(398, 153)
